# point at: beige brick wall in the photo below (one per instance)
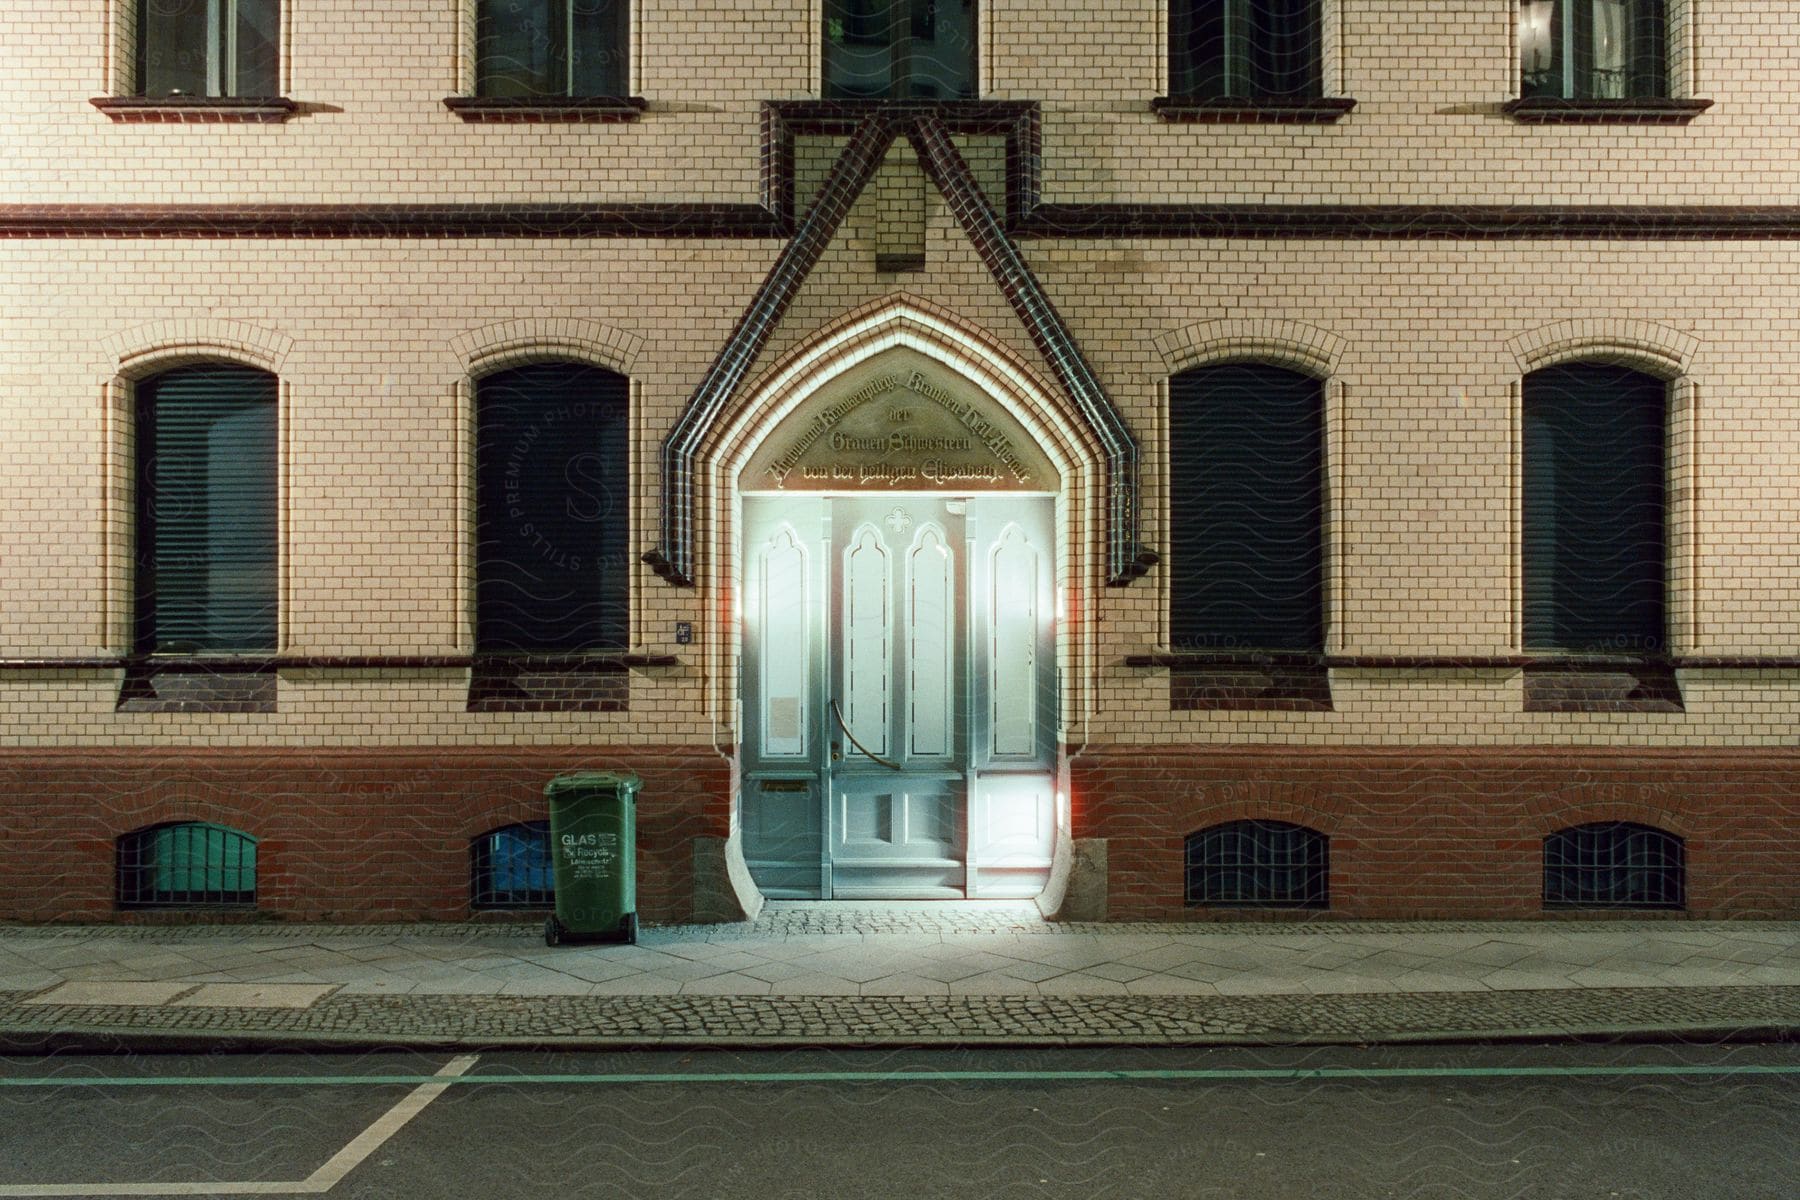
(371, 333)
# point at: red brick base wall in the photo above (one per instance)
(1444, 833)
(344, 836)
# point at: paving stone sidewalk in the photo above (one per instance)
(974, 973)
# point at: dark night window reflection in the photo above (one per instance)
(209, 47)
(1594, 522)
(1245, 49)
(899, 49)
(1246, 460)
(1594, 49)
(552, 48)
(552, 506)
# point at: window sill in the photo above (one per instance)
(1554, 110)
(224, 686)
(1244, 682)
(1570, 684)
(1244, 111)
(202, 110)
(527, 683)
(524, 110)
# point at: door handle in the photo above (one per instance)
(837, 751)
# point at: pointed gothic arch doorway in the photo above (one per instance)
(900, 692)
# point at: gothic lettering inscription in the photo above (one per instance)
(901, 423)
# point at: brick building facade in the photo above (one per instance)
(1096, 239)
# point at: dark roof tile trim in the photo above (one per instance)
(1405, 222)
(388, 220)
(943, 163)
(855, 166)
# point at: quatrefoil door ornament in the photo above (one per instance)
(899, 521)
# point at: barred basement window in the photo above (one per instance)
(510, 868)
(187, 865)
(208, 48)
(899, 49)
(570, 48)
(1594, 49)
(1245, 49)
(1262, 864)
(1246, 458)
(1614, 864)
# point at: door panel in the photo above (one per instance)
(920, 624)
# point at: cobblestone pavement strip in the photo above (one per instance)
(846, 1019)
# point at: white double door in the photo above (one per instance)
(899, 695)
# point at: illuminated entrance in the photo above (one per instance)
(899, 608)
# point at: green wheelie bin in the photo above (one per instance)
(593, 852)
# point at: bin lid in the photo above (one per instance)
(622, 782)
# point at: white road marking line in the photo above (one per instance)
(390, 1123)
(321, 1180)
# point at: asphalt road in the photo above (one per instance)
(1587, 1122)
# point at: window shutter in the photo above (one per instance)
(552, 497)
(206, 539)
(1593, 470)
(1246, 452)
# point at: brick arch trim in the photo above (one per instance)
(1561, 812)
(1294, 344)
(145, 350)
(1658, 350)
(1261, 808)
(514, 343)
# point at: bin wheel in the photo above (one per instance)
(553, 932)
(630, 924)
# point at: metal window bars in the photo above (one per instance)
(510, 868)
(1263, 864)
(186, 865)
(1614, 864)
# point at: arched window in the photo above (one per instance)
(1614, 864)
(552, 501)
(510, 868)
(1263, 864)
(189, 864)
(1245, 49)
(1246, 540)
(899, 49)
(1593, 521)
(207, 543)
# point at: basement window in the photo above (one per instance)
(187, 865)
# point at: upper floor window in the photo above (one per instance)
(552, 48)
(1245, 49)
(206, 551)
(1594, 49)
(1593, 492)
(552, 488)
(1246, 455)
(208, 47)
(899, 49)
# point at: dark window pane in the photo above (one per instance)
(1246, 456)
(552, 498)
(186, 865)
(1593, 554)
(598, 37)
(511, 868)
(209, 47)
(206, 536)
(1253, 49)
(1614, 864)
(1264, 863)
(899, 49)
(173, 48)
(258, 48)
(521, 48)
(1594, 49)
